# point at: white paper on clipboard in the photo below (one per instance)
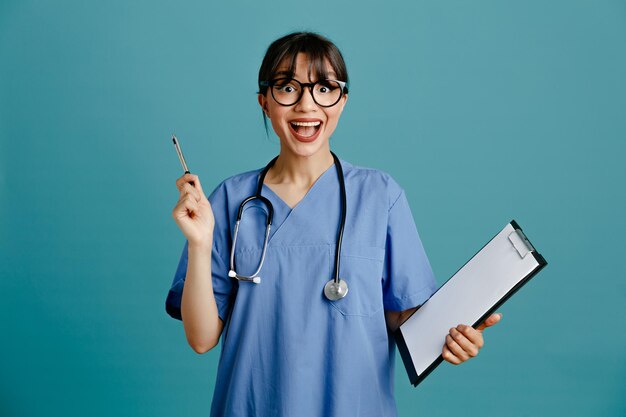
(484, 283)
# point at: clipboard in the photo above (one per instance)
(505, 264)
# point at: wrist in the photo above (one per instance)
(205, 245)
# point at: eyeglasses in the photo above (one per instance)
(287, 91)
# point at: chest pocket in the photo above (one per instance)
(362, 269)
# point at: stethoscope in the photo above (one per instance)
(334, 289)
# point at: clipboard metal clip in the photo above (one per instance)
(520, 242)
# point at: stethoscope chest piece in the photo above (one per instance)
(335, 290)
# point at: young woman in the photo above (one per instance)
(306, 307)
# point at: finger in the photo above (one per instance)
(182, 180)
(490, 321)
(198, 185)
(456, 349)
(194, 182)
(191, 205)
(188, 189)
(185, 179)
(449, 356)
(474, 336)
(468, 347)
(186, 207)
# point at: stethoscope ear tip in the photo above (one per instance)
(232, 274)
(256, 280)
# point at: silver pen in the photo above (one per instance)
(181, 157)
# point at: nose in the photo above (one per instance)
(306, 102)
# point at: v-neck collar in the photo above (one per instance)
(283, 213)
(319, 179)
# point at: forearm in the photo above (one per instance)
(396, 318)
(198, 308)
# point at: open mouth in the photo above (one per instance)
(305, 131)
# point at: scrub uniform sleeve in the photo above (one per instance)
(222, 283)
(408, 279)
(175, 294)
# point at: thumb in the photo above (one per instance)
(490, 321)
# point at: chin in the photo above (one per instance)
(306, 150)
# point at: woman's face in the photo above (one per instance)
(304, 128)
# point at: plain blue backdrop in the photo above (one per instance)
(484, 111)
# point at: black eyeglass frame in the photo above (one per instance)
(270, 85)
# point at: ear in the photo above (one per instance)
(263, 103)
(344, 100)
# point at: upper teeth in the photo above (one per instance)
(305, 123)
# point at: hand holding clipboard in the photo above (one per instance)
(485, 282)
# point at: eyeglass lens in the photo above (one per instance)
(287, 91)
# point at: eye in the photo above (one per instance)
(285, 86)
(325, 87)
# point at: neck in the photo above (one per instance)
(299, 170)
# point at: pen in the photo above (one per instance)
(181, 157)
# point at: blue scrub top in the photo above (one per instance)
(286, 349)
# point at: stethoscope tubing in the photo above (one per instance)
(270, 215)
(342, 188)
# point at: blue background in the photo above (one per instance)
(484, 111)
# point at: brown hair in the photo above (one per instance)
(315, 46)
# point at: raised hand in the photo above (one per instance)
(193, 213)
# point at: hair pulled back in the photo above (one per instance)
(316, 47)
